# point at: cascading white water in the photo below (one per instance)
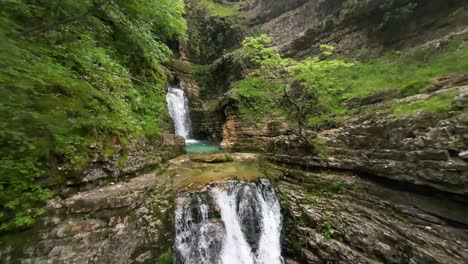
(270, 247)
(235, 246)
(179, 110)
(229, 223)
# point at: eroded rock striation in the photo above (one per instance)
(333, 217)
(423, 149)
(111, 213)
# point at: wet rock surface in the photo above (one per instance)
(128, 221)
(228, 222)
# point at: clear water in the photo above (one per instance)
(202, 147)
(179, 110)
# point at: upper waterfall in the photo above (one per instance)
(230, 223)
(179, 110)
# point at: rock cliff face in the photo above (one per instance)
(423, 149)
(122, 223)
(299, 27)
(111, 213)
(417, 162)
(340, 218)
(114, 212)
(142, 152)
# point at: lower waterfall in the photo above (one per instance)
(229, 223)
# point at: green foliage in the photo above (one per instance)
(222, 8)
(90, 216)
(409, 70)
(337, 186)
(439, 103)
(360, 187)
(215, 28)
(165, 258)
(275, 81)
(296, 245)
(320, 86)
(395, 13)
(325, 229)
(205, 78)
(311, 199)
(256, 54)
(320, 146)
(257, 98)
(73, 73)
(303, 222)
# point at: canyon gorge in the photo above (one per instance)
(276, 131)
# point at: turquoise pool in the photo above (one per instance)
(202, 147)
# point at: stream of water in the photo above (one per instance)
(179, 110)
(229, 223)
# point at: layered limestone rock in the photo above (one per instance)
(299, 27)
(127, 222)
(340, 218)
(110, 213)
(424, 149)
(140, 153)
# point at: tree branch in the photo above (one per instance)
(300, 123)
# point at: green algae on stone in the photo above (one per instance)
(190, 172)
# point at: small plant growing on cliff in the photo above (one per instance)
(165, 258)
(311, 199)
(360, 187)
(320, 147)
(325, 229)
(302, 222)
(337, 186)
(90, 216)
(296, 244)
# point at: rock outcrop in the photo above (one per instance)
(127, 222)
(340, 218)
(142, 152)
(424, 149)
(110, 213)
(299, 27)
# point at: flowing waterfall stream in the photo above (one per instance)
(179, 110)
(229, 223)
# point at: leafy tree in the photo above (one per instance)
(73, 73)
(308, 89)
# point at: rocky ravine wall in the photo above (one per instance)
(423, 149)
(299, 27)
(111, 213)
(336, 217)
